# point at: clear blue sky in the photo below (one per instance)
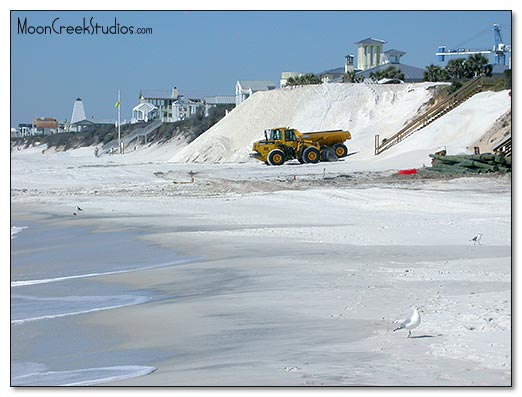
(204, 53)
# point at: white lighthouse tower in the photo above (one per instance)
(78, 113)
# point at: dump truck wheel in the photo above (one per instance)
(276, 157)
(300, 159)
(328, 154)
(311, 155)
(340, 150)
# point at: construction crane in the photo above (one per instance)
(499, 49)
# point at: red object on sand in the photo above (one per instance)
(408, 172)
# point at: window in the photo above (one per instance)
(275, 134)
(290, 135)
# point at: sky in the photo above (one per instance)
(205, 52)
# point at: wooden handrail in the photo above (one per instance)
(430, 114)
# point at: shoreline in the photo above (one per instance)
(48, 316)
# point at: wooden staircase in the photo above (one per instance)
(465, 92)
(137, 133)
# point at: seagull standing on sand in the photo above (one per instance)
(409, 323)
(476, 239)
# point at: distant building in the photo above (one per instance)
(45, 126)
(184, 108)
(412, 74)
(337, 74)
(25, 129)
(213, 101)
(369, 53)
(393, 56)
(331, 75)
(144, 112)
(84, 125)
(286, 75)
(245, 88)
(163, 100)
(500, 69)
(372, 59)
(219, 100)
(78, 113)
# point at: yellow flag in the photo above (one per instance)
(117, 104)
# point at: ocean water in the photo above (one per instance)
(55, 283)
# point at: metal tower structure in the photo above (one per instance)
(499, 49)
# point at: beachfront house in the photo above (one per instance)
(371, 58)
(45, 126)
(337, 74)
(412, 74)
(245, 88)
(184, 108)
(163, 100)
(144, 112)
(212, 101)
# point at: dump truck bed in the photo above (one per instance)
(327, 138)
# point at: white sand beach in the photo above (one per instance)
(298, 281)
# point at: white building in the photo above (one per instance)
(78, 116)
(369, 53)
(336, 74)
(245, 88)
(213, 101)
(163, 100)
(144, 112)
(184, 108)
(78, 113)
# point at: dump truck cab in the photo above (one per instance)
(280, 144)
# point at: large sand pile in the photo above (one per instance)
(364, 110)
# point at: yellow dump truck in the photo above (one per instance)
(283, 144)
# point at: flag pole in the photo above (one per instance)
(119, 135)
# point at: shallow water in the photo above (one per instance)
(55, 283)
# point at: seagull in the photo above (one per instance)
(409, 323)
(476, 239)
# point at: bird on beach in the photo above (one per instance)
(410, 323)
(476, 239)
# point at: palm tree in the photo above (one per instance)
(291, 81)
(435, 73)
(388, 73)
(352, 77)
(305, 79)
(477, 65)
(456, 69)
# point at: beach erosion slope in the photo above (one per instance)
(365, 110)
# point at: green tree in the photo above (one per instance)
(507, 79)
(389, 73)
(477, 65)
(305, 79)
(456, 69)
(435, 73)
(352, 77)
